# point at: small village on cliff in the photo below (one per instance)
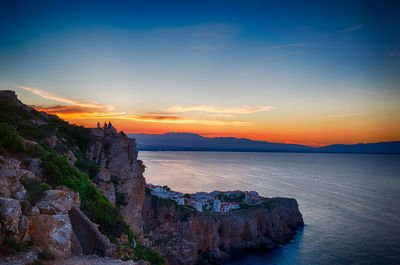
(216, 202)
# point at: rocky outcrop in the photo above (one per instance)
(10, 213)
(10, 174)
(58, 201)
(92, 241)
(46, 222)
(116, 155)
(186, 237)
(51, 228)
(52, 233)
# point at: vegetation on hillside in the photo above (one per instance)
(20, 124)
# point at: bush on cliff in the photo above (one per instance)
(140, 252)
(35, 189)
(10, 139)
(35, 151)
(57, 171)
(88, 166)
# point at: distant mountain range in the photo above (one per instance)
(194, 142)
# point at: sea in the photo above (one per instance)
(350, 202)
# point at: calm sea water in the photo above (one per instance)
(350, 203)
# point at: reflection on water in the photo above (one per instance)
(350, 203)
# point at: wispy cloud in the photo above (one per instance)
(342, 115)
(233, 110)
(81, 103)
(81, 109)
(77, 111)
(289, 45)
(222, 115)
(354, 27)
(180, 120)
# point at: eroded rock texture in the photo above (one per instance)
(117, 156)
(186, 237)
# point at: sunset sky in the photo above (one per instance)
(313, 73)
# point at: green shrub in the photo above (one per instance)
(10, 139)
(14, 246)
(57, 171)
(35, 151)
(142, 252)
(45, 256)
(35, 189)
(56, 168)
(88, 166)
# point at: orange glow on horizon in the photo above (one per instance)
(314, 133)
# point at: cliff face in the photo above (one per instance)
(120, 172)
(55, 223)
(186, 237)
(183, 236)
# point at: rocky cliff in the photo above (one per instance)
(45, 222)
(121, 174)
(97, 186)
(190, 237)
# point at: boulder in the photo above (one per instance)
(10, 212)
(51, 141)
(58, 201)
(52, 233)
(89, 236)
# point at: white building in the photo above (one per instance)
(180, 200)
(251, 198)
(156, 188)
(196, 204)
(224, 207)
(233, 206)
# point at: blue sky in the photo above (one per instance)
(307, 61)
